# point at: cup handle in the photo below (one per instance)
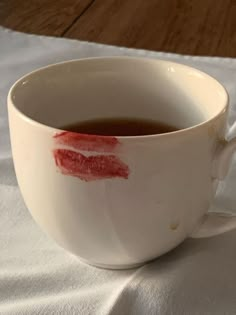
(215, 223)
(223, 158)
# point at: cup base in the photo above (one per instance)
(112, 267)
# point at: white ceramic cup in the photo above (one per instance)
(117, 202)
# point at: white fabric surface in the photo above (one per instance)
(38, 277)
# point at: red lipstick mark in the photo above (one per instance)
(92, 167)
(87, 142)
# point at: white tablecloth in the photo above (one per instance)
(38, 277)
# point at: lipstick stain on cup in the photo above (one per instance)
(90, 166)
(85, 142)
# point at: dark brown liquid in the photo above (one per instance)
(120, 127)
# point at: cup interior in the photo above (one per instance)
(121, 87)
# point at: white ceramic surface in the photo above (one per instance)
(159, 187)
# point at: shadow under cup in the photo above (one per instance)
(118, 221)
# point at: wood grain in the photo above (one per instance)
(46, 17)
(201, 27)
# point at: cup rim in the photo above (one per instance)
(34, 122)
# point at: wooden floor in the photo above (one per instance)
(199, 27)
